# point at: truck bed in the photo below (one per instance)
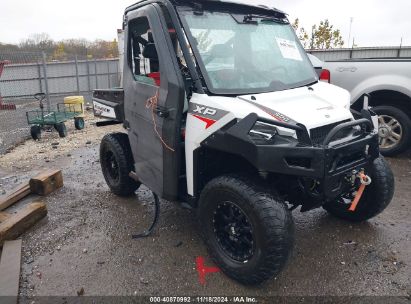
(109, 104)
(361, 76)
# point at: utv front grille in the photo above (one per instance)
(318, 134)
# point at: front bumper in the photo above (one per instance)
(327, 163)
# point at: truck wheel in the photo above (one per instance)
(375, 199)
(117, 162)
(79, 123)
(35, 132)
(394, 130)
(61, 129)
(249, 233)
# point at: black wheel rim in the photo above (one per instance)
(233, 231)
(111, 166)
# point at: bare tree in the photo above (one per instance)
(66, 49)
(322, 36)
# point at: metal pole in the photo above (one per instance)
(95, 72)
(88, 76)
(399, 50)
(349, 36)
(46, 82)
(108, 74)
(39, 74)
(77, 76)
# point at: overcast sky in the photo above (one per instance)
(376, 22)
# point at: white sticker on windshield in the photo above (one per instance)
(289, 49)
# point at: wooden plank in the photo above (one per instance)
(43, 184)
(46, 182)
(23, 219)
(3, 216)
(10, 264)
(17, 194)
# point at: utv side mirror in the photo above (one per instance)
(150, 51)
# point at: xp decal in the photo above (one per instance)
(206, 114)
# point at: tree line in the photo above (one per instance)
(65, 49)
(321, 36)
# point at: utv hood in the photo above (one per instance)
(315, 106)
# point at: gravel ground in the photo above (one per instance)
(85, 247)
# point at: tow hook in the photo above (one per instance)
(365, 180)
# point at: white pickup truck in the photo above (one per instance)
(388, 81)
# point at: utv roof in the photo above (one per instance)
(262, 5)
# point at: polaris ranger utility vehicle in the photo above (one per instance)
(224, 112)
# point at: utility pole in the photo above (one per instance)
(349, 36)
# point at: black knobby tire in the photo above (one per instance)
(375, 199)
(272, 229)
(61, 129)
(79, 123)
(394, 114)
(116, 160)
(35, 132)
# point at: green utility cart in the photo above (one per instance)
(42, 119)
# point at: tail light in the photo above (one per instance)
(325, 76)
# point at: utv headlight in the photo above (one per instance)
(263, 133)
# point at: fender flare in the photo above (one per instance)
(394, 83)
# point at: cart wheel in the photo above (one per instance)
(35, 132)
(61, 128)
(79, 123)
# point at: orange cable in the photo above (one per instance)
(152, 103)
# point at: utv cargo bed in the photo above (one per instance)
(109, 104)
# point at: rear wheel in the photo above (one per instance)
(117, 162)
(79, 123)
(375, 199)
(249, 232)
(61, 129)
(394, 130)
(35, 132)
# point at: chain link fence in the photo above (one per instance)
(23, 74)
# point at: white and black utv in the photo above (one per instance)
(223, 111)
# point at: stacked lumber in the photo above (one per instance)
(12, 225)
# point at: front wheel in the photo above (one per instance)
(376, 197)
(117, 162)
(79, 123)
(249, 232)
(35, 132)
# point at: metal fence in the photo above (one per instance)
(362, 53)
(27, 73)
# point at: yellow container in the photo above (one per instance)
(75, 103)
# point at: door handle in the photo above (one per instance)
(162, 112)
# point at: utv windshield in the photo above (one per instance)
(245, 54)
